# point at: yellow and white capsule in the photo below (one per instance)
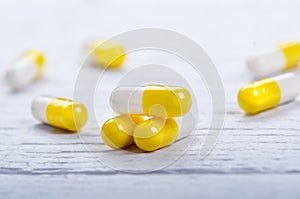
(25, 69)
(107, 54)
(117, 132)
(152, 100)
(268, 93)
(281, 58)
(59, 112)
(158, 132)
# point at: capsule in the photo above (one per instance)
(268, 93)
(107, 54)
(25, 69)
(281, 58)
(59, 112)
(117, 132)
(151, 100)
(158, 132)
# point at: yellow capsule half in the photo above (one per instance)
(155, 133)
(108, 54)
(259, 96)
(291, 51)
(152, 100)
(176, 101)
(60, 112)
(117, 132)
(36, 56)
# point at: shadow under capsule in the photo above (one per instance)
(275, 111)
(45, 128)
(133, 149)
(10, 91)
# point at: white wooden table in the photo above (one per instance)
(256, 157)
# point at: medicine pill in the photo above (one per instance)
(158, 132)
(283, 57)
(25, 69)
(59, 112)
(107, 54)
(117, 132)
(151, 100)
(268, 93)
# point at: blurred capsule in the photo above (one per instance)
(107, 54)
(283, 57)
(25, 69)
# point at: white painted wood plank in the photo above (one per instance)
(150, 186)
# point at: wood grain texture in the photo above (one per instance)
(256, 157)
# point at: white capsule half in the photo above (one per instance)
(187, 125)
(288, 84)
(283, 57)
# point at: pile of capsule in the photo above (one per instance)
(148, 117)
(59, 112)
(269, 92)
